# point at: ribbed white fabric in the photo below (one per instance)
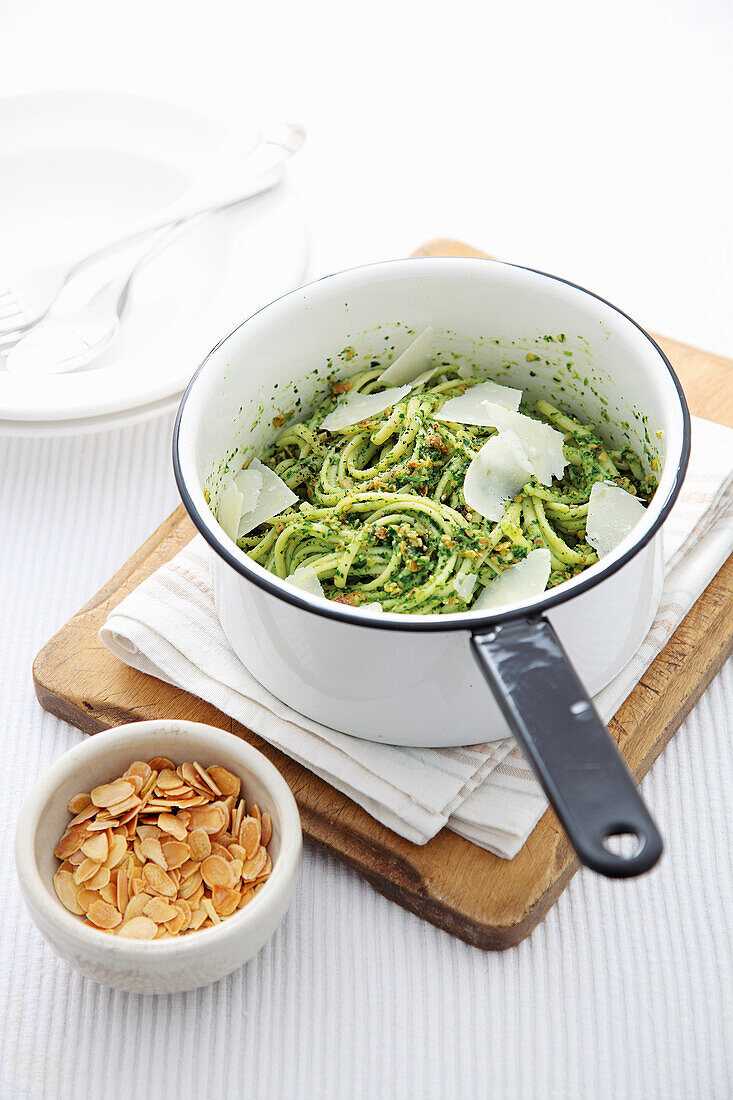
(621, 992)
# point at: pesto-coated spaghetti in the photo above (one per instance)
(381, 515)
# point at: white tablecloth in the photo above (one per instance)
(587, 139)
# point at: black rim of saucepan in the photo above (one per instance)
(534, 683)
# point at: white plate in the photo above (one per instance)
(75, 169)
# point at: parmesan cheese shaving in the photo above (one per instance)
(356, 407)
(251, 497)
(612, 513)
(412, 362)
(464, 585)
(306, 579)
(543, 444)
(496, 474)
(468, 408)
(520, 582)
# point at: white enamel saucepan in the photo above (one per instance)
(420, 679)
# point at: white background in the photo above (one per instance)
(592, 140)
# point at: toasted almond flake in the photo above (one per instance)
(209, 907)
(207, 781)
(136, 886)
(99, 825)
(98, 880)
(247, 895)
(161, 763)
(104, 915)
(266, 834)
(216, 871)
(70, 842)
(174, 926)
(87, 897)
(255, 812)
(120, 808)
(198, 917)
(199, 843)
(236, 851)
(157, 881)
(79, 802)
(67, 891)
(86, 870)
(190, 885)
(123, 895)
(77, 857)
(159, 910)
(209, 819)
(254, 867)
(139, 768)
(185, 909)
(237, 866)
(83, 815)
(139, 928)
(225, 900)
(146, 832)
(108, 893)
(249, 836)
(169, 823)
(189, 867)
(136, 905)
(227, 782)
(150, 849)
(116, 853)
(175, 853)
(219, 849)
(96, 847)
(109, 794)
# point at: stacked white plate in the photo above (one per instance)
(75, 170)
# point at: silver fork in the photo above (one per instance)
(27, 300)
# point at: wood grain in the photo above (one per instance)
(488, 902)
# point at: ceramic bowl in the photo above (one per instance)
(168, 965)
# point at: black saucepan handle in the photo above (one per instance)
(588, 784)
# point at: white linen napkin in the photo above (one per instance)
(168, 628)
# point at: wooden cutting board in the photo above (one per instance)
(489, 902)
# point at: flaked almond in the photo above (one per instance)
(98, 880)
(169, 823)
(116, 853)
(110, 794)
(159, 910)
(158, 882)
(139, 928)
(104, 915)
(79, 802)
(249, 836)
(253, 867)
(190, 885)
(224, 900)
(70, 842)
(86, 870)
(108, 893)
(199, 843)
(136, 905)
(96, 847)
(150, 849)
(216, 871)
(226, 781)
(175, 853)
(67, 891)
(266, 834)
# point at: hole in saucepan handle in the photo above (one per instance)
(556, 725)
(625, 844)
